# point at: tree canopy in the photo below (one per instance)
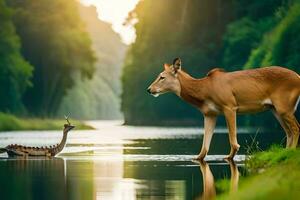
(15, 71)
(55, 42)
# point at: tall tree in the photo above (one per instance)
(55, 42)
(15, 72)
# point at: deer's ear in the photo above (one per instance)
(176, 64)
(166, 66)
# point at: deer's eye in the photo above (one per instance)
(162, 78)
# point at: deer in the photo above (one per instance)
(230, 93)
(14, 150)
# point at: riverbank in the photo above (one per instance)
(10, 122)
(273, 174)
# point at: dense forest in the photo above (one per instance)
(57, 45)
(58, 58)
(15, 71)
(231, 34)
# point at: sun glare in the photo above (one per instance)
(115, 12)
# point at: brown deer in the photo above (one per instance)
(230, 93)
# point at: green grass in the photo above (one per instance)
(273, 174)
(10, 122)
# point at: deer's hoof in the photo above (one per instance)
(199, 158)
(229, 157)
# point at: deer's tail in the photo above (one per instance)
(3, 150)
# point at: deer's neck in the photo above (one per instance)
(192, 90)
(62, 143)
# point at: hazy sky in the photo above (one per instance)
(115, 12)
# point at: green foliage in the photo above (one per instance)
(55, 43)
(280, 46)
(245, 34)
(9, 122)
(269, 158)
(241, 37)
(223, 185)
(274, 175)
(15, 72)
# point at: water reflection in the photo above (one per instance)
(75, 179)
(32, 179)
(234, 180)
(209, 189)
(118, 162)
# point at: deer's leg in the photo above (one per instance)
(209, 126)
(293, 126)
(285, 105)
(289, 134)
(230, 116)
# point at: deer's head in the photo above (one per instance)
(167, 80)
(68, 126)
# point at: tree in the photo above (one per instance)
(15, 72)
(280, 46)
(55, 42)
(253, 20)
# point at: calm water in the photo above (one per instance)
(123, 162)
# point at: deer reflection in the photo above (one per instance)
(234, 179)
(209, 190)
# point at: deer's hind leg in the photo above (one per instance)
(289, 134)
(292, 123)
(285, 108)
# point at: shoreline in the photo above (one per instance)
(271, 174)
(9, 122)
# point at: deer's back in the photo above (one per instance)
(247, 85)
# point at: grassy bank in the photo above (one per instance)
(273, 174)
(10, 122)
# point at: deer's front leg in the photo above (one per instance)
(209, 126)
(230, 115)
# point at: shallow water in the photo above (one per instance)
(123, 162)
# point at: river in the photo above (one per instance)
(125, 162)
